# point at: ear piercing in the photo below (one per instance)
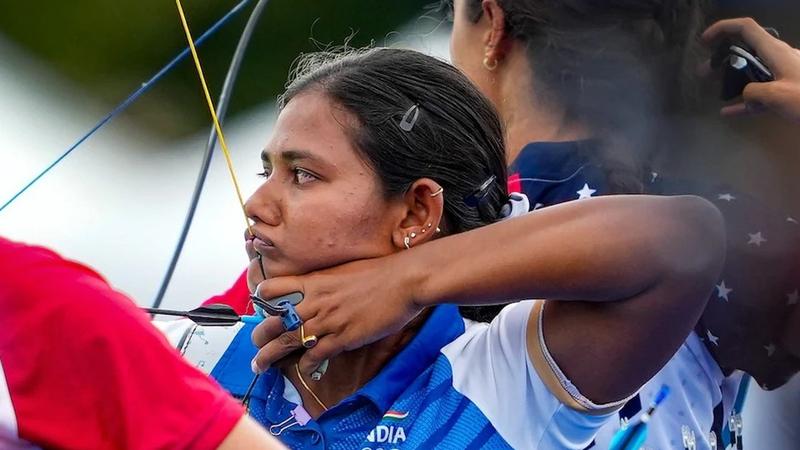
(428, 227)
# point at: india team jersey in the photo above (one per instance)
(458, 384)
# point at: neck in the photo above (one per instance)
(527, 115)
(348, 371)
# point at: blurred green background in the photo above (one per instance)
(111, 47)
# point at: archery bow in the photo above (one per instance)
(224, 101)
(129, 100)
(221, 112)
(221, 137)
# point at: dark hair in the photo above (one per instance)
(456, 140)
(616, 66)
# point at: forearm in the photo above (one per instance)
(602, 249)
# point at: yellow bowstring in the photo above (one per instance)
(213, 111)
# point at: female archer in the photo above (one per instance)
(393, 154)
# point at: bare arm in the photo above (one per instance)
(637, 272)
(629, 269)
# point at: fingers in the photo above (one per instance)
(326, 348)
(268, 330)
(760, 96)
(275, 287)
(275, 350)
(284, 344)
(272, 327)
(255, 275)
(768, 47)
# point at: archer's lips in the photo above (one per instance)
(264, 246)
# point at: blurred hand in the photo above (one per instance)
(346, 307)
(782, 95)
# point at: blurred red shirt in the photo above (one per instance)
(82, 367)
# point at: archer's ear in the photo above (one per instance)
(496, 40)
(424, 207)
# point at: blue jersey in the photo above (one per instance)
(457, 385)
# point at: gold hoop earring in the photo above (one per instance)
(489, 64)
(438, 191)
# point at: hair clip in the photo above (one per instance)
(475, 197)
(410, 118)
(479, 198)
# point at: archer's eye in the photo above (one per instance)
(266, 173)
(302, 176)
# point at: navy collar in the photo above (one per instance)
(443, 326)
(555, 160)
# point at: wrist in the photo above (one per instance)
(415, 275)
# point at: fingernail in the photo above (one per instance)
(254, 367)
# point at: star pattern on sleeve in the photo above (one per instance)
(734, 323)
(723, 291)
(792, 297)
(756, 239)
(713, 339)
(585, 192)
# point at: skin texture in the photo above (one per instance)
(640, 266)
(315, 183)
(527, 115)
(321, 205)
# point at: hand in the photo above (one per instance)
(782, 95)
(345, 307)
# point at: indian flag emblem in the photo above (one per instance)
(395, 415)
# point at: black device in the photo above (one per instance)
(740, 65)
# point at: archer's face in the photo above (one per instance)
(320, 205)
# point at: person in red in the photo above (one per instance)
(81, 367)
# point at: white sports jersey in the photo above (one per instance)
(698, 392)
